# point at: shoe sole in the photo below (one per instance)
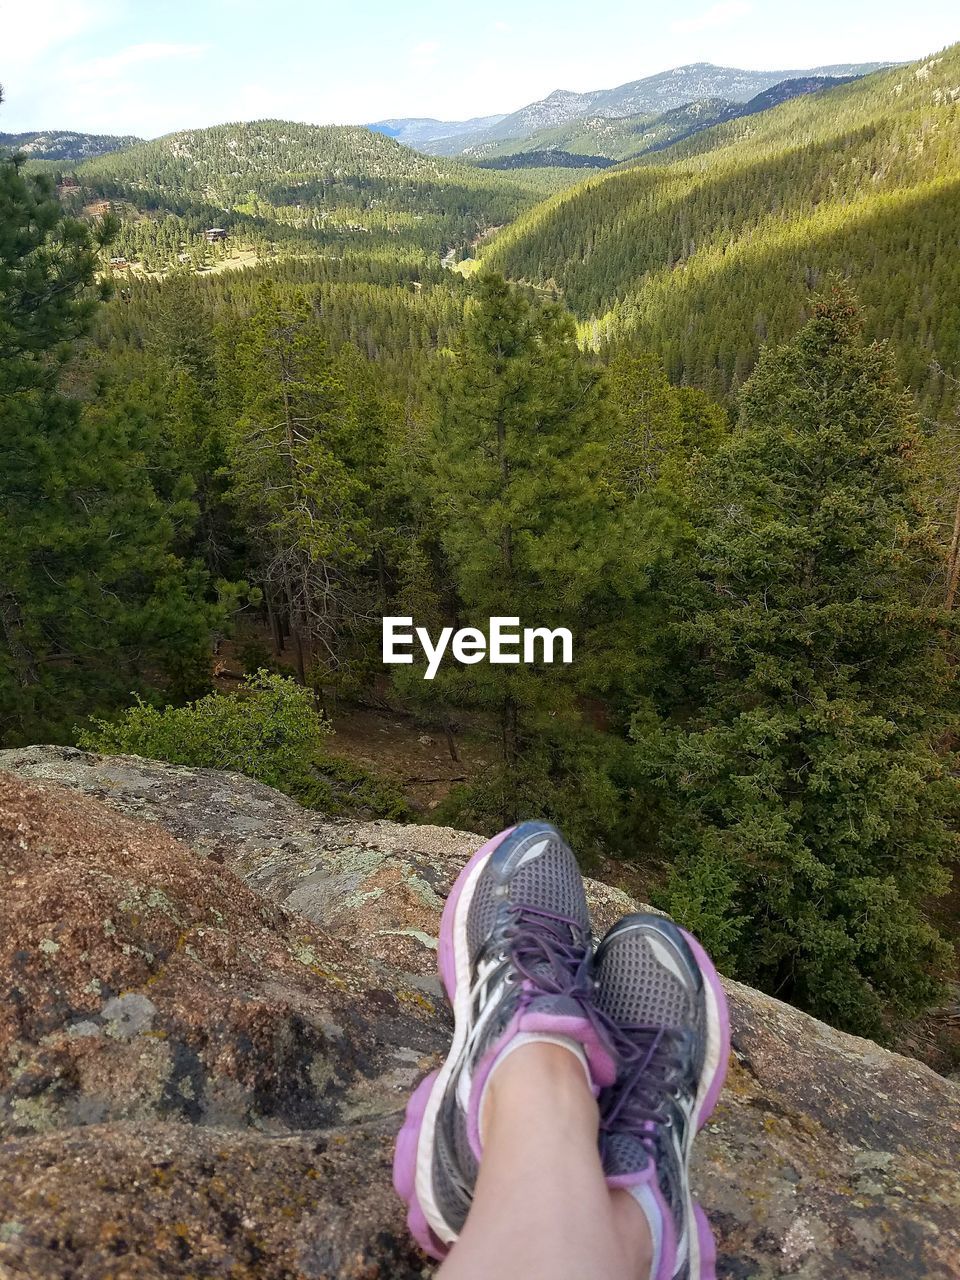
(703, 1266)
(703, 1250)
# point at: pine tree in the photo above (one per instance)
(291, 437)
(183, 340)
(531, 529)
(660, 429)
(92, 600)
(806, 795)
(661, 434)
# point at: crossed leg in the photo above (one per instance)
(541, 1208)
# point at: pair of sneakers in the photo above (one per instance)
(645, 1013)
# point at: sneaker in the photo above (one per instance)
(663, 998)
(515, 956)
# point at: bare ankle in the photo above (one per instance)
(539, 1075)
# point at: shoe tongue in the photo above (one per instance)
(556, 1006)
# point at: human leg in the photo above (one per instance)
(662, 997)
(541, 1207)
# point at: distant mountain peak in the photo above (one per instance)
(422, 131)
(651, 95)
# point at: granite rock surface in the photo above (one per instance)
(213, 1004)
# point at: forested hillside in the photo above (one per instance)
(705, 250)
(63, 144)
(286, 187)
(616, 138)
(273, 160)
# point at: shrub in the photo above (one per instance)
(268, 730)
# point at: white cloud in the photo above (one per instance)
(102, 94)
(502, 26)
(718, 15)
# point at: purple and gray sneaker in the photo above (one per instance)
(661, 994)
(515, 957)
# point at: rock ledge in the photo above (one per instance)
(213, 1004)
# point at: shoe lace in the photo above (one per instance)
(653, 1066)
(550, 951)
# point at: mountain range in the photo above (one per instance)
(606, 139)
(604, 122)
(64, 144)
(422, 132)
(651, 95)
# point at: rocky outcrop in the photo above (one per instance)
(213, 1004)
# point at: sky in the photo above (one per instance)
(149, 67)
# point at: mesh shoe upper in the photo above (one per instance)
(538, 871)
(529, 946)
(651, 989)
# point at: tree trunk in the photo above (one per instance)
(298, 645)
(295, 628)
(295, 633)
(506, 542)
(275, 629)
(953, 560)
(451, 741)
(12, 624)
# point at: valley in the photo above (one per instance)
(710, 247)
(671, 366)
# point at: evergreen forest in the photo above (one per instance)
(265, 384)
